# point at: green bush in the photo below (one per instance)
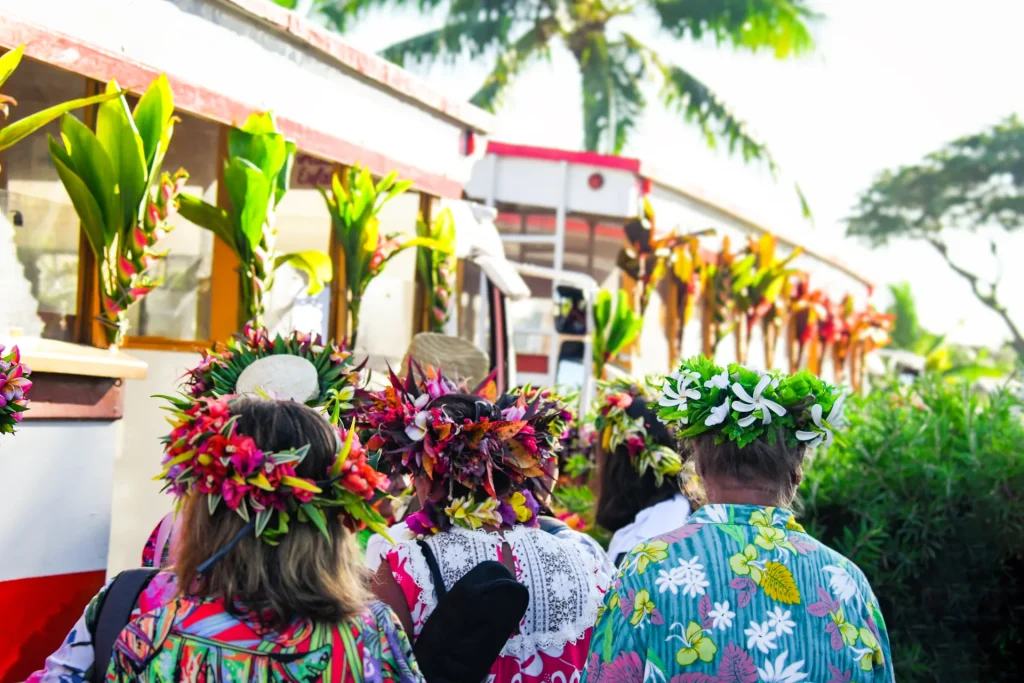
(925, 492)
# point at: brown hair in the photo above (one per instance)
(622, 492)
(307, 575)
(773, 468)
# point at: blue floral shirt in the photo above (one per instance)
(740, 594)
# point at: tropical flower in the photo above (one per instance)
(750, 404)
(471, 515)
(718, 414)
(695, 645)
(842, 584)
(762, 518)
(771, 537)
(720, 380)
(823, 434)
(716, 513)
(760, 636)
(524, 506)
(13, 384)
(418, 429)
(643, 607)
(651, 551)
(873, 655)
(779, 619)
(721, 615)
(743, 563)
(625, 668)
(669, 580)
(780, 673)
(847, 631)
(694, 578)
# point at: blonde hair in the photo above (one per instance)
(306, 575)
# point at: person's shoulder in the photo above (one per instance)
(841, 574)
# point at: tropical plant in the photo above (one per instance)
(123, 201)
(807, 308)
(614, 64)
(436, 268)
(942, 358)
(257, 174)
(687, 279)
(354, 202)
(614, 328)
(923, 495)
(20, 130)
(719, 302)
(759, 285)
(973, 184)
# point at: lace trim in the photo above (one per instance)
(566, 583)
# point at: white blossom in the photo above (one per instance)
(760, 636)
(824, 432)
(718, 415)
(749, 404)
(842, 584)
(721, 615)
(721, 381)
(780, 673)
(780, 621)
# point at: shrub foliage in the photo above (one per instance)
(926, 494)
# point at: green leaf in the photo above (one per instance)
(250, 199)
(116, 131)
(209, 217)
(88, 210)
(316, 265)
(9, 62)
(284, 177)
(262, 519)
(316, 516)
(91, 164)
(152, 117)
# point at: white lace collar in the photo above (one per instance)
(566, 583)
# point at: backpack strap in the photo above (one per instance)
(114, 615)
(435, 570)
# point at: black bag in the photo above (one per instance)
(467, 630)
(115, 612)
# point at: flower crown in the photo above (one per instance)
(518, 436)
(205, 453)
(745, 405)
(218, 373)
(617, 427)
(14, 387)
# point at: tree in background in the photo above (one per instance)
(951, 361)
(974, 184)
(614, 64)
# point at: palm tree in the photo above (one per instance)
(613, 63)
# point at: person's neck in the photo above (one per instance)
(742, 495)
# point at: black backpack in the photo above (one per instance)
(467, 630)
(115, 612)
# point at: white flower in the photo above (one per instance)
(780, 621)
(421, 401)
(834, 421)
(718, 415)
(760, 636)
(721, 381)
(669, 580)
(716, 513)
(841, 583)
(676, 396)
(691, 567)
(418, 429)
(695, 585)
(780, 673)
(748, 403)
(722, 616)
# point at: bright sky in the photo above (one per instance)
(890, 81)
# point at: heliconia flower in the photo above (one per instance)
(153, 216)
(166, 190)
(110, 306)
(126, 267)
(136, 293)
(140, 237)
(439, 314)
(148, 261)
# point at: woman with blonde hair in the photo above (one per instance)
(267, 580)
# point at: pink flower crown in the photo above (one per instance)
(409, 424)
(205, 453)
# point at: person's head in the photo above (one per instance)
(635, 464)
(476, 461)
(308, 574)
(760, 473)
(748, 431)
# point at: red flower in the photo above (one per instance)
(246, 458)
(234, 493)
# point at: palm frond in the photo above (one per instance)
(341, 15)
(469, 37)
(777, 25)
(612, 97)
(532, 45)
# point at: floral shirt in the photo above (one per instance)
(198, 640)
(740, 594)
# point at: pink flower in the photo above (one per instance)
(111, 306)
(153, 216)
(626, 668)
(234, 492)
(137, 293)
(141, 240)
(246, 458)
(620, 401)
(126, 267)
(14, 385)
